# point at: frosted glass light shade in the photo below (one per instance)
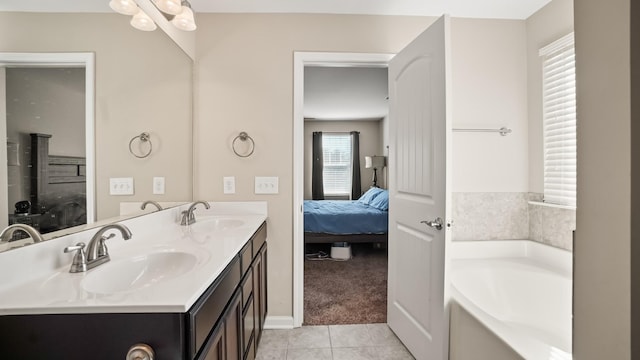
(124, 7)
(142, 21)
(185, 20)
(173, 7)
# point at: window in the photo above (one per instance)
(336, 150)
(559, 119)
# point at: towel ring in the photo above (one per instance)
(243, 136)
(144, 137)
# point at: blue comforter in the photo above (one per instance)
(344, 217)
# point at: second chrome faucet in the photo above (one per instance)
(188, 217)
(96, 252)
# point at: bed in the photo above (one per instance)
(356, 221)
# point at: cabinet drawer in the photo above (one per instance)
(246, 255)
(205, 313)
(259, 238)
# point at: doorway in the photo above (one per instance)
(45, 206)
(302, 60)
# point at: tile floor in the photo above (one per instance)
(333, 342)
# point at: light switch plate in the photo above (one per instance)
(266, 185)
(158, 185)
(229, 183)
(121, 186)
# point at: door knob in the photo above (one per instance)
(437, 223)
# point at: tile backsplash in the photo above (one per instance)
(511, 216)
(490, 216)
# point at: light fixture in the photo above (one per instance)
(142, 21)
(184, 20)
(171, 7)
(178, 12)
(375, 162)
(124, 7)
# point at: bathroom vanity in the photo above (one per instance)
(200, 294)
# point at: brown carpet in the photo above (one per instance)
(346, 292)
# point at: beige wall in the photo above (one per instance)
(244, 82)
(136, 90)
(4, 215)
(602, 304)
(370, 139)
(489, 91)
(544, 27)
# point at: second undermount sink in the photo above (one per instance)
(221, 223)
(138, 272)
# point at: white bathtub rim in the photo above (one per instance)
(526, 346)
(546, 256)
(527, 252)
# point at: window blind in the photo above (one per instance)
(336, 149)
(559, 118)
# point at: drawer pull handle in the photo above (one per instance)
(140, 352)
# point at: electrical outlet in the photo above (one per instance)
(121, 186)
(158, 185)
(266, 185)
(229, 183)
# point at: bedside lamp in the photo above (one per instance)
(375, 162)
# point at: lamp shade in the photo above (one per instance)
(376, 162)
(173, 7)
(184, 21)
(124, 7)
(142, 21)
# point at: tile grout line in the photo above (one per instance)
(330, 342)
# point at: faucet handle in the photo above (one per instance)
(185, 216)
(79, 263)
(102, 247)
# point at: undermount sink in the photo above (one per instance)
(138, 272)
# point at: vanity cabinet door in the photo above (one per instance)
(249, 319)
(260, 291)
(249, 322)
(224, 341)
(215, 347)
(233, 328)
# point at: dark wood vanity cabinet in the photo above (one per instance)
(235, 335)
(225, 323)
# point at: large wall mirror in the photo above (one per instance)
(111, 84)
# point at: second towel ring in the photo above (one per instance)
(243, 136)
(144, 137)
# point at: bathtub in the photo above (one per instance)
(518, 290)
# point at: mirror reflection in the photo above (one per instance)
(142, 83)
(48, 132)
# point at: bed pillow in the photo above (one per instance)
(368, 196)
(381, 201)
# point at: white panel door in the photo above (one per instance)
(418, 130)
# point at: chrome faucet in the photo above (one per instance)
(7, 233)
(188, 216)
(144, 204)
(97, 252)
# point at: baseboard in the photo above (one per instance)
(279, 322)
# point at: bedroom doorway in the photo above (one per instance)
(367, 261)
(60, 78)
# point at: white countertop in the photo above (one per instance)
(36, 279)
